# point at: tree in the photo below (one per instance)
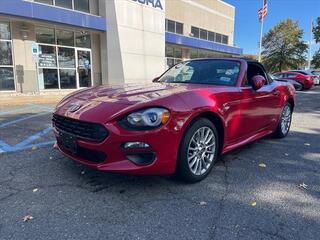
(316, 59)
(283, 47)
(316, 31)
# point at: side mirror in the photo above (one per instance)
(258, 81)
(156, 79)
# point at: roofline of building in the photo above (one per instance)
(36, 11)
(227, 4)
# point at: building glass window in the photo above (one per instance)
(203, 34)
(6, 60)
(195, 32)
(5, 53)
(179, 28)
(68, 79)
(64, 3)
(169, 51)
(82, 5)
(66, 57)
(211, 36)
(45, 35)
(174, 27)
(225, 39)
(218, 38)
(193, 53)
(47, 56)
(50, 2)
(177, 53)
(173, 55)
(58, 59)
(79, 5)
(48, 78)
(171, 26)
(5, 33)
(65, 38)
(83, 40)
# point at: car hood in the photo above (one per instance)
(103, 103)
(130, 94)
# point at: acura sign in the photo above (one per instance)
(152, 3)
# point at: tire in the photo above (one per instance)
(198, 151)
(284, 124)
(299, 87)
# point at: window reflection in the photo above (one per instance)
(68, 79)
(66, 57)
(64, 3)
(5, 31)
(47, 56)
(83, 40)
(82, 5)
(48, 79)
(45, 35)
(65, 38)
(5, 53)
(6, 62)
(6, 79)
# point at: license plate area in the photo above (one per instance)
(69, 142)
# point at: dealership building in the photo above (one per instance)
(62, 45)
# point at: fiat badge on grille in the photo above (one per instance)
(74, 107)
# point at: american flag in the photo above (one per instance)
(263, 12)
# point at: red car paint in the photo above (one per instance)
(306, 81)
(244, 114)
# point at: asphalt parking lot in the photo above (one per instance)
(269, 189)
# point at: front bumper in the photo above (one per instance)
(164, 144)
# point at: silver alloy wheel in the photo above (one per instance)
(201, 150)
(285, 119)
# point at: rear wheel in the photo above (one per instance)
(198, 151)
(285, 121)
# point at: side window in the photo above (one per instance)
(291, 75)
(253, 70)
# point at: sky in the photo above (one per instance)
(247, 26)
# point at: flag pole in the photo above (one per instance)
(310, 45)
(261, 34)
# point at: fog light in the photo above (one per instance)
(133, 145)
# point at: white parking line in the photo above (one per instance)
(23, 119)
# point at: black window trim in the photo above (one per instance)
(70, 9)
(175, 26)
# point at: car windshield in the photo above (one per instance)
(215, 72)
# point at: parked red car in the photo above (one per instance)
(307, 81)
(180, 123)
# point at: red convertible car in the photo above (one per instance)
(180, 123)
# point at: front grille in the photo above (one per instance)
(83, 130)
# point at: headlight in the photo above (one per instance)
(146, 119)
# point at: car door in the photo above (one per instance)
(260, 109)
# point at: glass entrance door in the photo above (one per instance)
(84, 68)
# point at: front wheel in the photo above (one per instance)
(285, 122)
(198, 151)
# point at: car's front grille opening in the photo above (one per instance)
(86, 154)
(91, 155)
(81, 129)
